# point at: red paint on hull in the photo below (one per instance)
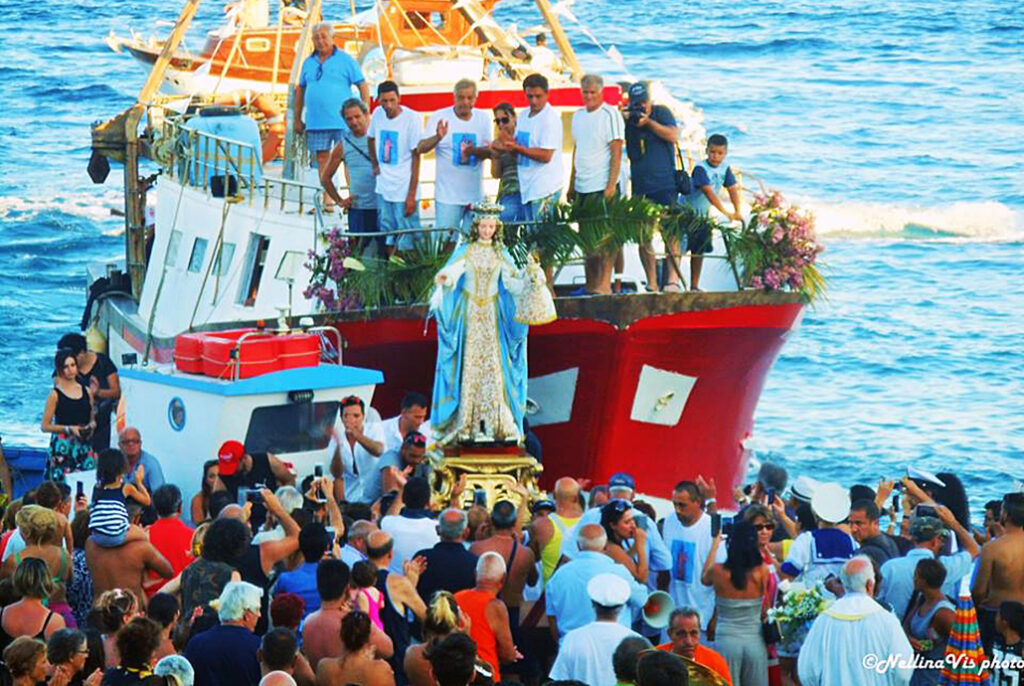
(729, 350)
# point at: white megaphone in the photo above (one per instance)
(657, 609)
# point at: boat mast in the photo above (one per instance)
(134, 190)
(302, 50)
(561, 40)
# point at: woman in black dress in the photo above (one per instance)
(99, 374)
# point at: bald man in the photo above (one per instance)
(547, 532)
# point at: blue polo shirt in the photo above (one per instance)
(651, 157)
(224, 655)
(301, 582)
(326, 85)
(566, 591)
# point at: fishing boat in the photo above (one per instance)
(661, 385)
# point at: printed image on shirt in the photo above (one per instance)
(523, 139)
(460, 141)
(684, 557)
(388, 146)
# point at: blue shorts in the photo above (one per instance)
(107, 540)
(392, 217)
(322, 140)
(512, 208)
(362, 221)
(536, 210)
(456, 217)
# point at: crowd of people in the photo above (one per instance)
(360, 576)
(381, 153)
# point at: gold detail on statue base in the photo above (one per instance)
(497, 473)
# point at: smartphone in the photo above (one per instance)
(716, 524)
(898, 486)
(480, 497)
(896, 502)
(318, 472)
(769, 494)
(727, 523)
(80, 490)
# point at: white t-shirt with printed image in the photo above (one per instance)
(593, 133)
(458, 182)
(543, 130)
(395, 139)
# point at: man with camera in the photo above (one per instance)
(651, 134)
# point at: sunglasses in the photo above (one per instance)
(319, 71)
(620, 504)
(502, 120)
(764, 527)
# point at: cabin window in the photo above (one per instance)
(195, 261)
(255, 261)
(257, 44)
(291, 428)
(222, 262)
(173, 245)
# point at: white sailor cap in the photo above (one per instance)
(803, 488)
(608, 590)
(831, 503)
(918, 474)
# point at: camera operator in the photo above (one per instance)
(239, 469)
(651, 134)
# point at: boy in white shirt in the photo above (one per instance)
(394, 134)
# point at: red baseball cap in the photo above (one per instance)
(229, 455)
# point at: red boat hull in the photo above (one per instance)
(727, 349)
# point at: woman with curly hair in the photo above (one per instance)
(136, 642)
(26, 661)
(116, 608)
(740, 584)
(224, 544)
(42, 533)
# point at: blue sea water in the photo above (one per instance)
(901, 124)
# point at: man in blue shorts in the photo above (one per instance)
(354, 151)
(325, 82)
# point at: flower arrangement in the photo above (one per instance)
(777, 248)
(329, 270)
(800, 606)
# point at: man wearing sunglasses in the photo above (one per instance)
(461, 135)
(325, 82)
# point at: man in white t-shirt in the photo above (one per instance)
(598, 136)
(538, 144)
(688, 537)
(394, 134)
(355, 454)
(413, 417)
(461, 136)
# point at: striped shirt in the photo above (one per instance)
(109, 515)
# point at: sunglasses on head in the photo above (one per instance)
(419, 441)
(621, 504)
(502, 120)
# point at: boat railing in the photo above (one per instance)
(220, 166)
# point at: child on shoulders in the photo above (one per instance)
(109, 525)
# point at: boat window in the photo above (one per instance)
(223, 260)
(255, 260)
(195, 262)
(291, 428)
(173, 245)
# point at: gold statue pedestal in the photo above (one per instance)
(496, 469)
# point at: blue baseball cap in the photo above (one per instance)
(622, 480)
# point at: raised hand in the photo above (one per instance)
(442, 129)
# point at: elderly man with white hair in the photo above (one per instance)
(488, 616)
(568, 584)
(178, 667)
(856, 640)
(325, 82)
(228, 652)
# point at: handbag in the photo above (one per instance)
(682, 177)
(770, 632)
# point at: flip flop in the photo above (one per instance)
(673, 287)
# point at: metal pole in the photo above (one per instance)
(134, 193)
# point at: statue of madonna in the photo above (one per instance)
(484, 305)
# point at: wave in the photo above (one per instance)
(94, 206)
(750, 47)
(982, 221)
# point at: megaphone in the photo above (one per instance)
(657, 609)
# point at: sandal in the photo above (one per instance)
(672, 287)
